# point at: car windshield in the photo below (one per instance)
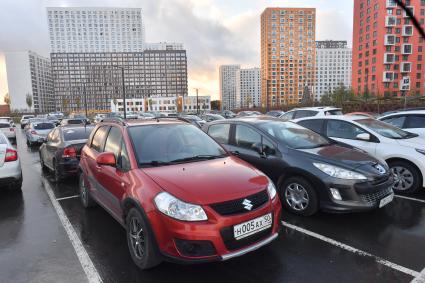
(157, 145)
(43, 126)
(334, 112)
(72, 134)
(385, 129)
(294, 136)
(4, 125)
(192, 118)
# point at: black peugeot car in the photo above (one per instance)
(61, 151)
(311, 172)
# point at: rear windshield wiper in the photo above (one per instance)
(197, 157)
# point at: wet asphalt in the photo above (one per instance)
(34, 246)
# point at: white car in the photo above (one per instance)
(304, 112)
(10, 166)
(25, 120)
(403, 151)
(412, 121)
(8, 129)
(36, 132)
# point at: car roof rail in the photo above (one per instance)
(116, 120)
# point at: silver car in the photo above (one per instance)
(10, 166)
(25, 120)
(36, 132)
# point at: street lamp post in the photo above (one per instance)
(197, 101)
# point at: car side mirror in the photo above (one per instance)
(258, 148)
(106, 159)
(363, 137)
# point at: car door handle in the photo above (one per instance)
(98, 168)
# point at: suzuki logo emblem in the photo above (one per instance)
(247, 204)
(380, 169)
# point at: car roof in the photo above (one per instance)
(324, 108)
(249, 120)
(156, 121)
(410, 112)
(333, 117)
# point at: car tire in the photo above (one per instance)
(145, 254)
(404, 173)
(22, 127)
(299, 197)
(17, 186)
(43, 166)
(13, 141)
(86, 199)
(56, 173)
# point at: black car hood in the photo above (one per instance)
(342, 156)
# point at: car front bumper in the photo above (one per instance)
(172, 234)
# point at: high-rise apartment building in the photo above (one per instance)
(287, 54)
(333, 66)
(95, 29)
(27, 73)
(227, 79)
(98, 78)
(388, 52)
(248, 88)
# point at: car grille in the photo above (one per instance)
(373, 198)
(232, 244)
(237, 207)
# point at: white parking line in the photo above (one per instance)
(59, 199)
(409, 198)
(352, 249)
(420, 278)
(88, 266)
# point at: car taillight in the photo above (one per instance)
(12, 129)
(69, 152)
(33, 132)
(11, 155)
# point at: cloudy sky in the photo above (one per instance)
(214, 32)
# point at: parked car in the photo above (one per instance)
(403, 151)
(54, 120)
(60, 153)
(79, 116)
(363, 114)
(9, 119)
(208, 117)
(193, 119)
(311, 172)
(228, 114)
(131, 115)
(99, 117)
(25, 120)
(10, 166)
(9, 130)
(275, 113)
(411, 121)
(304, 112)
(248, 114)
(37, 132)
(146, 116)
(73, 121)
(179, 194)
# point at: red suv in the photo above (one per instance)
(177, 192)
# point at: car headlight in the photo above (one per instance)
(338, 172)
(271, 189)
(420, 151)
(175, 208)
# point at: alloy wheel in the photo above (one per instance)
(403, 178)
(297, 197)
(137, 238)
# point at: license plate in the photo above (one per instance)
(253, 226)
(386, 200)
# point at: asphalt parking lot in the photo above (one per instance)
(46, 236)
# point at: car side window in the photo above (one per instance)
(396, 121)
(288, 115)
(113, 141)
(305, 113)
(246, 137)
(314, 125)
(268, 147)
(415, 121)
(99, 138)
(123, 161)
(343, 130)
(220, 132)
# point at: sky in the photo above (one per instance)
(214, 32)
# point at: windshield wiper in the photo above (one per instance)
(197, 157)
(154, 163)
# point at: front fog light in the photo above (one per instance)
(335, 194)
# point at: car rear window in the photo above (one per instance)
(43, 126)
(4, 125)
(75, 122)
(82, 133)
(333, 112)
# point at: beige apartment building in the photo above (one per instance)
(287, 55)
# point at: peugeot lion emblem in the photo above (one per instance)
(247, 204)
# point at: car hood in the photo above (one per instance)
(342, 156)
(418, 142)
(211, 181)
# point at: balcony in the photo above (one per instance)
(407, 30)
(390, 21)
(405, 67)
(389, 39)
(388, 77)
(406, 49)
(389, 58)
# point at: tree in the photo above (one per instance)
(7, 98)
(78, 102)
(150, 101)
(248, 101)
(28, 100)
(215, 104)
(65, 103)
